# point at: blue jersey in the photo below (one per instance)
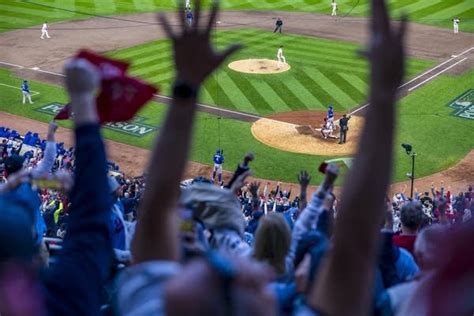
(189, 15)
(218, 159)
(25, 87)
(330, 112)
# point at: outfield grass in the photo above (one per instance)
(323, 72)
(16, 14)
(439, 139)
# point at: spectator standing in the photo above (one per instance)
(411, 218)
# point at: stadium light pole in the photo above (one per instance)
(408, 149)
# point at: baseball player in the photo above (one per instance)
(189, 17)
(188, 4)
(218, 161)
(334, 8)
(25, 89)
(280, 57)
(44, 30)
(327, 129)
(330, 114)
(456, 25)
(278, 25)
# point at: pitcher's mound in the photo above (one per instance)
(304, 137)
(259, 66)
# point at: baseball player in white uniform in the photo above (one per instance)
(334, 8)
(456, 25)
(44, 30)
(280, 57)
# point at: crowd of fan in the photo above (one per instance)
(154, 246)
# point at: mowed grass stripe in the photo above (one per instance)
(219, 95)
(304, 95)
(85, 6)
(138, 51)
(309, 84)
(352, 92)
(25, 11)
(463, 8)
(345, 99)
(338, 97)
(287, 95)
(8, 18)
(104, 6)
(436, 7)
(412, 8)
(157, 74)
(357, 82)
(151, 59)
(244, 101)
(245, 84)
(318, 89)
(272, 98)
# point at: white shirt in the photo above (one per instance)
(456, 22)
(45, 27)
(280, 52)
(334, 5)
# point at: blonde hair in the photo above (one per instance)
(272, 241)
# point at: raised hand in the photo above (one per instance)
(304, 178)
(81, 77)
(82, 82)
(386, 51)
(254, 188)
(195, 58)
(332, 171)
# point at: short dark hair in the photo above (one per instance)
(13, 164)
(411, 215)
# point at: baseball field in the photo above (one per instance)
(15, 14)
(435, 112)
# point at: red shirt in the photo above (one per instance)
(405, 241)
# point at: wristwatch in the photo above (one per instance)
(184, 90)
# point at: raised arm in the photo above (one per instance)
(345, 285)
(195, 59)
(46, 164)
(85, 258)
(303, 179)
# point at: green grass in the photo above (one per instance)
(16, 14)
(439, 139)
(323, 72)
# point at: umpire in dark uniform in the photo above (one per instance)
(343, 128)
(278, 25)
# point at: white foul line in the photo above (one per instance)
(430, 70)
(436, 75)
(33, 93)
(423, 74)
(156, 95)
(13, 65)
